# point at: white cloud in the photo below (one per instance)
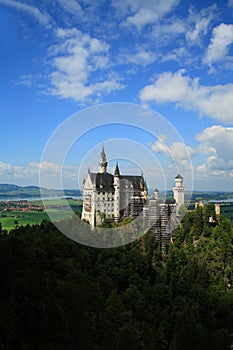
(179, 55)
(141, 18)
(214, 101)
(213, 156)
(50, 172)
(199, 23)
(190, 29)
(29, 170)
(216, 144)
(142, 57)
(140, 13)
(14, 172)
(43, 18)
(222, 39)
(201, 27)
(5, 169)
(168, 29)
(71, 6)
(78, 64)
(29, 80)
(177, 151)
(230, 3)
(48, 167)
(168, 88)
(181, 152)
(160, 145)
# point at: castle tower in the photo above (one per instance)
(178, 191)
(116, 185)
(145, 191)
(103, 162)
(156, 193)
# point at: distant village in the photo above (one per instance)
(20, 205)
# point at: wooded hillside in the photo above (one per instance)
(57, 294)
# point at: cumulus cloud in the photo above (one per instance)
(77, 63)
(43, 18)
(177, 151)
(214, 101)
(222, 39)
(216, 144)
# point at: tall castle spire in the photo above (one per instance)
(117, 171)
(103, 162)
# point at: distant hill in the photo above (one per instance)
(9, 190)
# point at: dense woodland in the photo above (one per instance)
(58, 294)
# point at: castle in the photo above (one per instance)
(111, 197)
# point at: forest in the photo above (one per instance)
(58, 294)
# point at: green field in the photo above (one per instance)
(57, 208)
(19, 218)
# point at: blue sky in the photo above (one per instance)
(61, 57)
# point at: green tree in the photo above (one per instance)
(182, 210)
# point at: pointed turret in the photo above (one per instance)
(103, 162)
(117, 171)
